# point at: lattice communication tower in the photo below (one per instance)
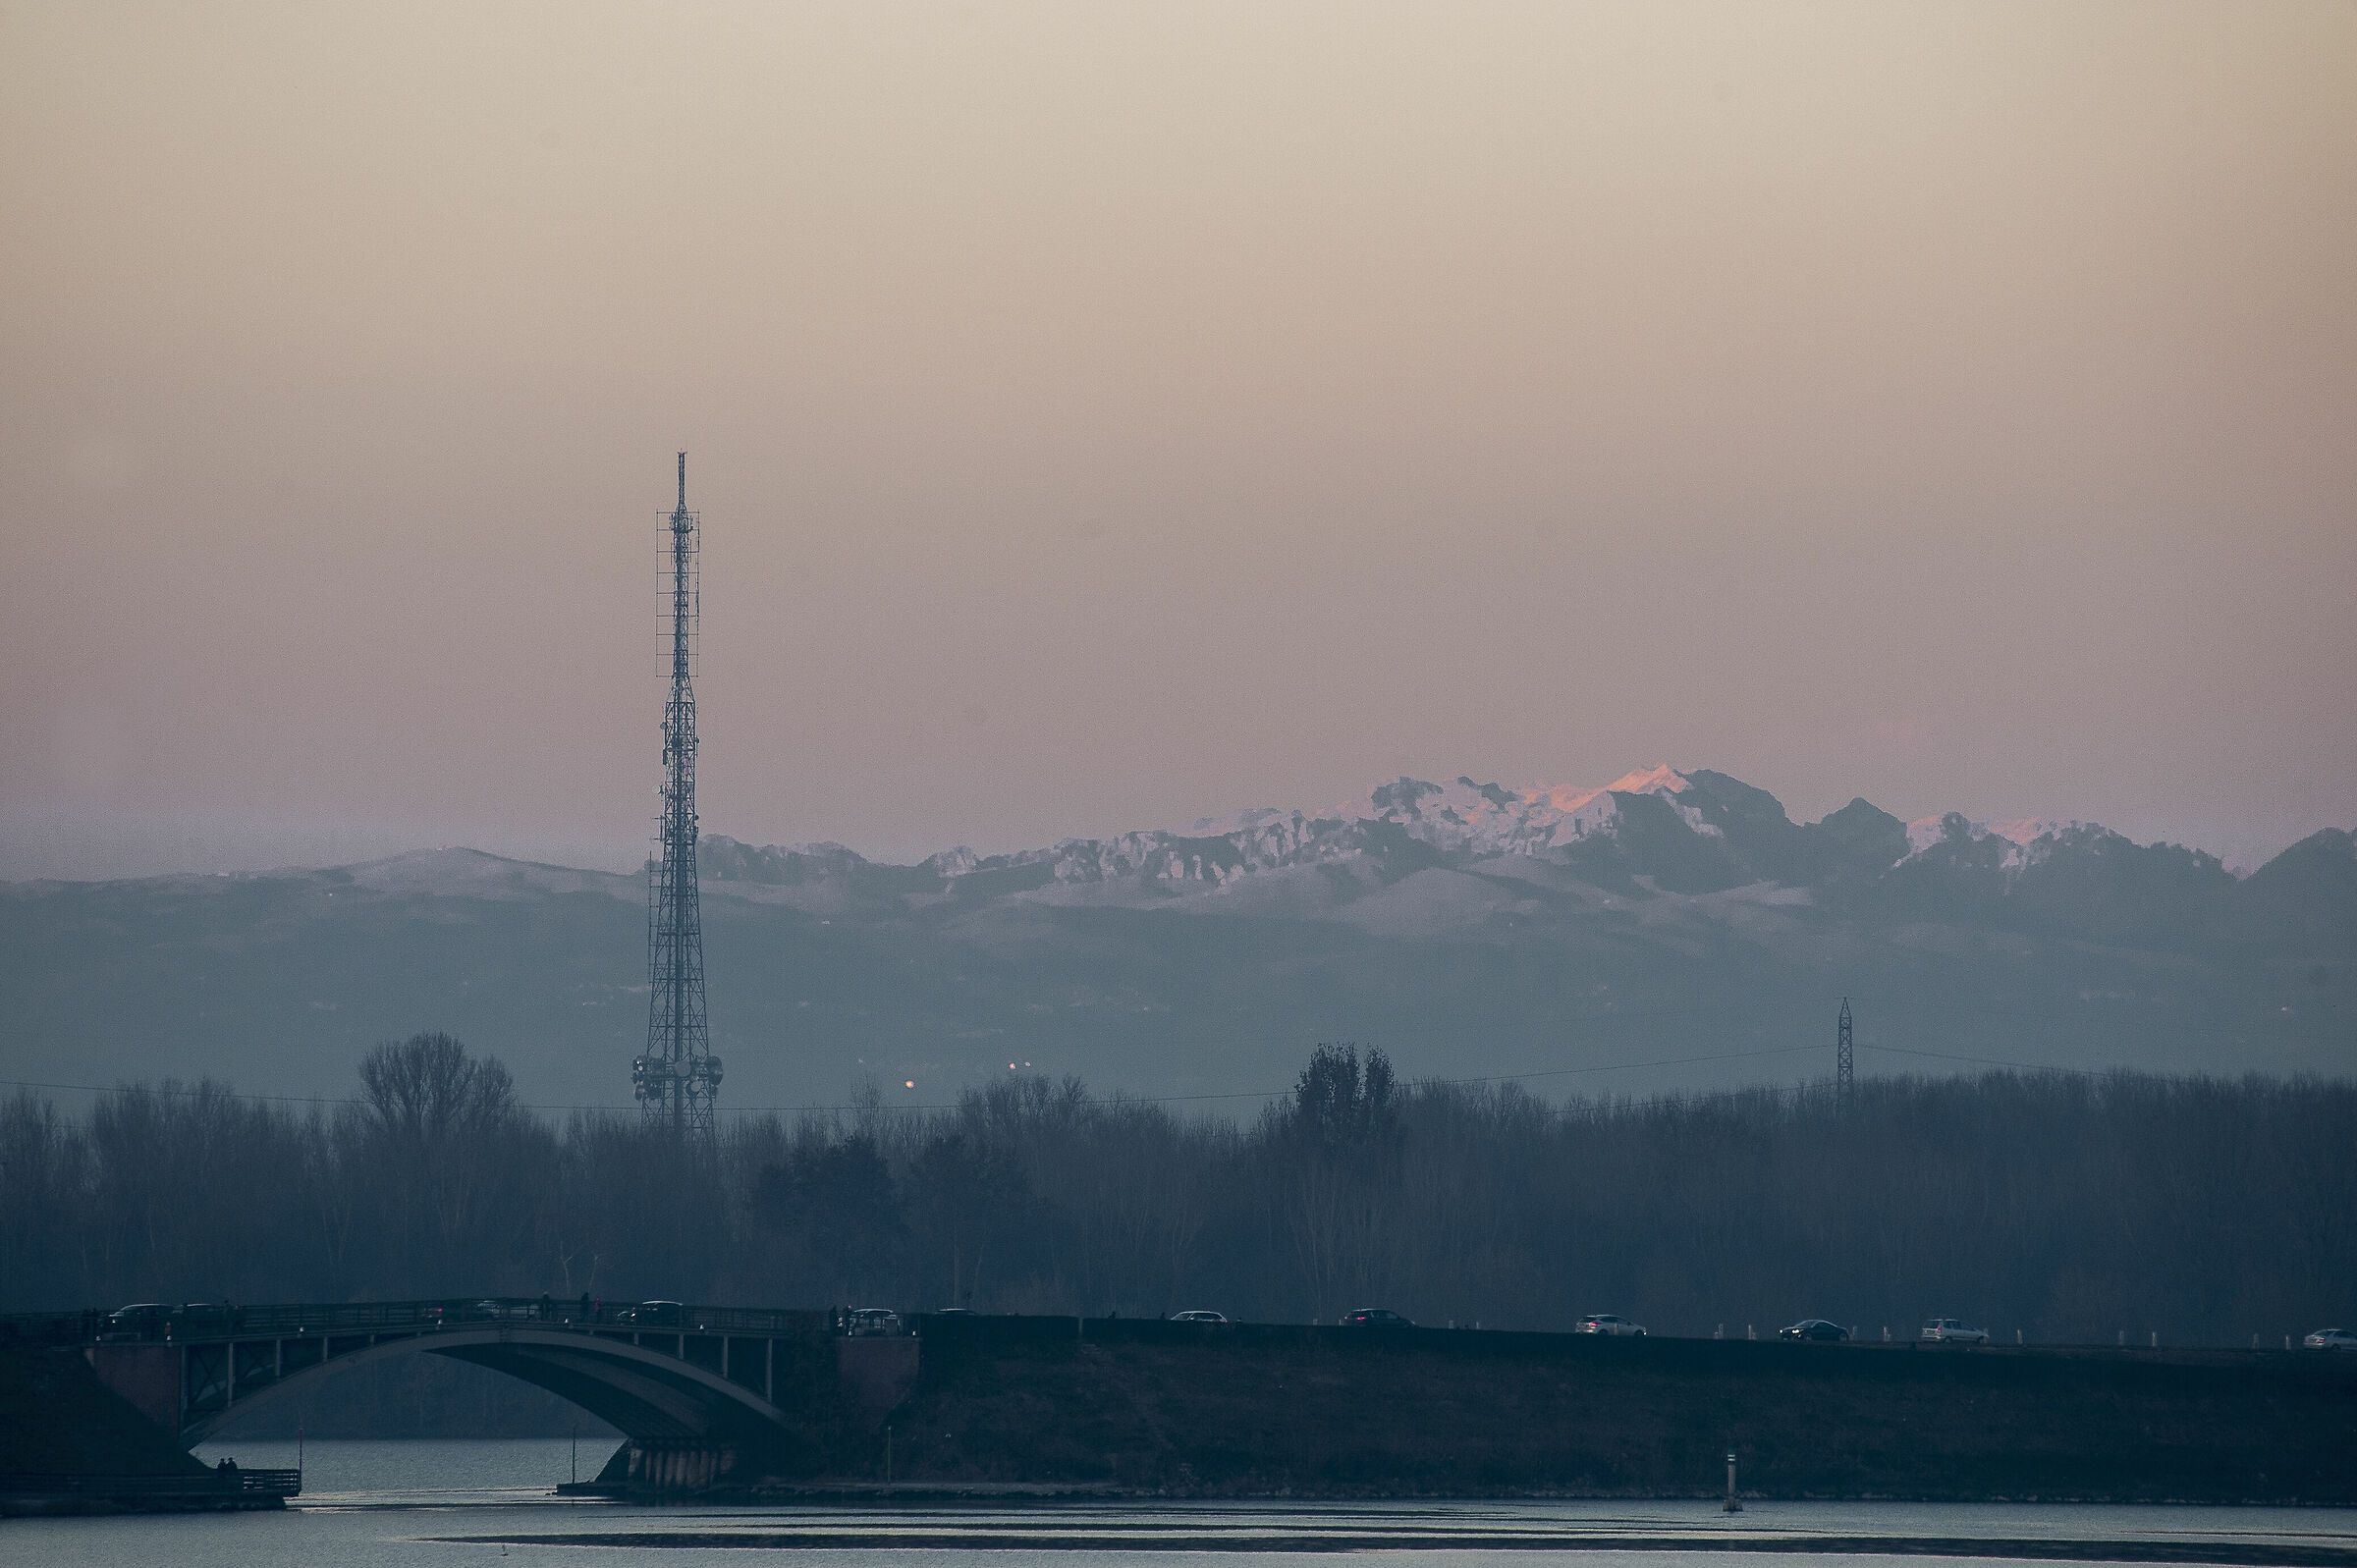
(679, 1078)
(1844, 1067)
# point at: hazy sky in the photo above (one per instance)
(1109, 415)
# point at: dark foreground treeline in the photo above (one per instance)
(2065, 1208)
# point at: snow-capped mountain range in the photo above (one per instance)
(1661, 829)
(1676, 923)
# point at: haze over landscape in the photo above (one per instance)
(1673, 929)
(1111, 418)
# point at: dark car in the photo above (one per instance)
(1814, 1328)
(142, 1320)
(1375, 1318)
(658, 1313)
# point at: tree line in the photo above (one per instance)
(2059, 1206)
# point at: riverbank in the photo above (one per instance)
(1253, 1411)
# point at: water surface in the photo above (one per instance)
(425, 1504)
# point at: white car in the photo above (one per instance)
(1951, 1331)
(2330, 1340)
(1603, 1322)
(1198, 1314)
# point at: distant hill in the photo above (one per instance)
(1469, 930)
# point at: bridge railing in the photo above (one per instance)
(205, 1322)
(248, 1483)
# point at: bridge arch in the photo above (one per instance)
(702, 1393)
(650, 1395)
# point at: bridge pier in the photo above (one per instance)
(670, 1468)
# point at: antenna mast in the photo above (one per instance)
(1844, 1069)
(677, 1077)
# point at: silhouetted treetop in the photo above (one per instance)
(427, 1090)
(1339, 1103)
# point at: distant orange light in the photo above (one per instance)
(910, 1084)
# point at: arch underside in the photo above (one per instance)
(645, 1394)
(640, 1401)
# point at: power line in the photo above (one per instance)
(1992, 1061)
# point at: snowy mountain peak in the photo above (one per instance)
(2027, 831)
(1244, 821)
(1925, 832)
(1491, 819)
(1464, 813)
(1660, 779)
(2026, 841)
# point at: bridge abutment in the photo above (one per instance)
(875, 1375)
(148, 1377)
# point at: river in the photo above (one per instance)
(428, 1503)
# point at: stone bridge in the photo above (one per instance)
(702, 1393)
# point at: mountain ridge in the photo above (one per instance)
(1680, 932)
(1620, 832)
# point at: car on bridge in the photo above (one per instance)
(1603, 1322)
(1198, 1314)
(1375, 1318)
(503, 1309)
(141, 1320)
(1815, 1330)
(2330, 1340)
(872, 1323)
(658, 1313)
(1951, 1331)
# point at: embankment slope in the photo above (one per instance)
(1253, 1410)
